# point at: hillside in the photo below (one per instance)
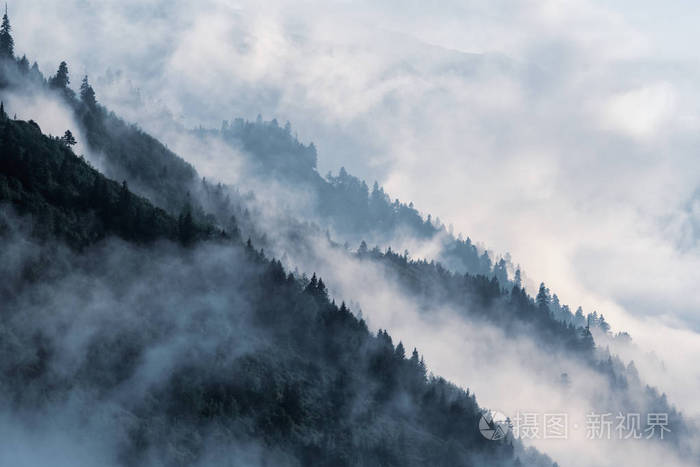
(41, 175)
(259, 362)
(135, 308)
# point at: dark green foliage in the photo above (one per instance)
(42, 176)
(316, 352)
(130, 154)
(320, 388)
(321, 391)
(61, 80)
(543, 299)
(68, 139)
(266, 360)
(7, 44)
(87, 94)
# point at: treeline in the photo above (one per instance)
(313, 386)
(262, 357)
(343, 203)
(481, 298)
(215, 393)
(40, 175)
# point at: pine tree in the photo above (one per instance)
(313, 285)
(400, 351)
(587, 342)
(3, 115)
(7, 44)
(363, 248)
(68, 139)
(415, 358)
(579, 318)
(500, 270)
(543, 299)
(518, 279)
(23, 64)
(321, 289)
(87, 94)
(61, 80)
(556, 305)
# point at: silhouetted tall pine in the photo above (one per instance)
(61, 80)
(7, 44)
(87, 94)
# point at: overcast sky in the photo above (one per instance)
(563, 132)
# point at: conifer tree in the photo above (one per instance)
(7, 44)
(321, 288)
(87, 94)
(68, 139)
(587, 342)
(313, 285)
(23, 65)
(543, 299)
(363, 248)
(400, 351)
(415, 358)
(61, 80)
(500, 270)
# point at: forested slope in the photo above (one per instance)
(212, 344)
(225, 354)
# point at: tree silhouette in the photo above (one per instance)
(61, 80)
(7, 44)
(68, 139)
(363, 248)
(87, 94)
(400, 351)
(543, 300)
(23, 64)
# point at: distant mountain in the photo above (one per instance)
(199, 347)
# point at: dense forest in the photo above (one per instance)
(140, 302)
(280, 363)
(263, 366)
(343, 203)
